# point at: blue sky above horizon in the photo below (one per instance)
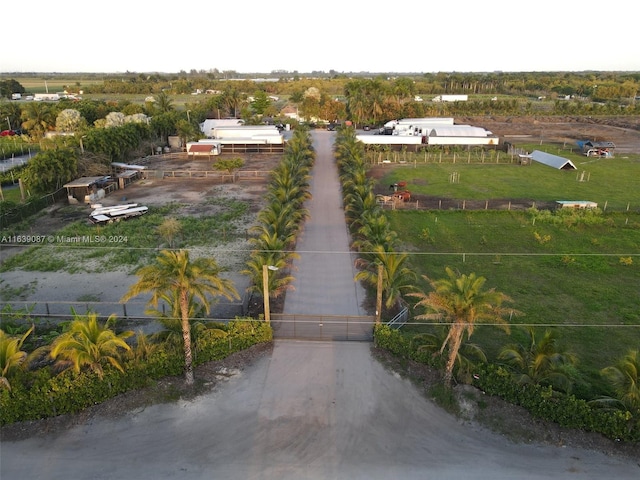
(348, 36)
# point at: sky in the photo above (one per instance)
(250, 36)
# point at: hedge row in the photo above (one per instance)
(540, 401)
(40, 394)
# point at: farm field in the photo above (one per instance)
(611, 183)
(577, 271)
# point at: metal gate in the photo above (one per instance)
(323, 327)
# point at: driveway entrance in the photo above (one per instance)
(323, 327)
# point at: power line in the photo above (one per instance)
(327, 252)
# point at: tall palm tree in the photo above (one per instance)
(174, 274)
(87, 343)
(233, 99)
(164, 103)
(461, 301)
(625, 379)
(541, 361)
(12, 357)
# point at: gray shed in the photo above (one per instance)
(551, 160)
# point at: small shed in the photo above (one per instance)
(127, 174)
(85, 190)
(208, 148)
(551, 160)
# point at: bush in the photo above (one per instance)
(38, 394)
(540, 401)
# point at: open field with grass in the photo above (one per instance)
(55, 84)
(78, 246)
(612, 183)
(577, 271)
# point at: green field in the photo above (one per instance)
(574, 270)
(613, 183)
(55, 84)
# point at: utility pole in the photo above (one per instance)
(379, 294)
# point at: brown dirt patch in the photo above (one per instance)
(166, 390)
(623, 131)
(499, 416)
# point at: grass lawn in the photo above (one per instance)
(565, 275)
(578, 272)
(610, 182)
(136, 241)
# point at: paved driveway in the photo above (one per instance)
(311, 410)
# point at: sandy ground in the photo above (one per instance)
(56, 292)
(307, 410)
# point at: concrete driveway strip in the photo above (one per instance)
(324, 272)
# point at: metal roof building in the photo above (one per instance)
(551, 160)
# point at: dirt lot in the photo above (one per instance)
(513, 422)
(624, 132)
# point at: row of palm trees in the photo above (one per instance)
(371, 233)
(280, 222)
(459, 300)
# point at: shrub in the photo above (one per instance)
(540, 401)
(38, 394)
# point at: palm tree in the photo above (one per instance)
(541, 361)
(625, 380)
(174, 274)
(12, 357)
(232, 99)
(376, 230)
(38, 118)
(89, 344)
(164, 103)
(461, 301)
(396, 277)
(469, 354)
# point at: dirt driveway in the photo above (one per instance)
(307, 410)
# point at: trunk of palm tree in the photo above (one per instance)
(186, 336)
(455, 340)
